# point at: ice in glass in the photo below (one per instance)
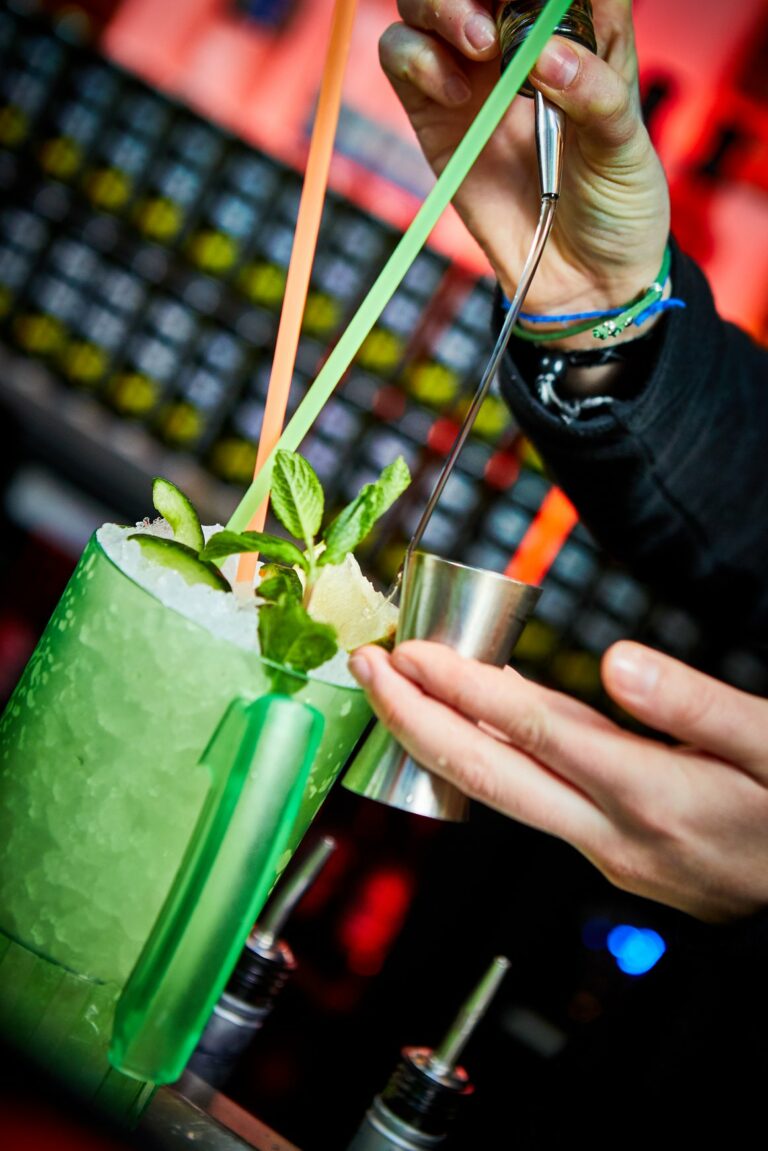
(101, 786)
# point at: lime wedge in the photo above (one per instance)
(175, 508)
(343, 597)
(183, 559)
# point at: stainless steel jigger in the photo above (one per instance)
(479, 614)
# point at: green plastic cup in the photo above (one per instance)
(102, 782)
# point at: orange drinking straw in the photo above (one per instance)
(541, 544)
(302, 255)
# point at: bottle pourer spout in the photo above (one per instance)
(288, 893)
(445, 1057)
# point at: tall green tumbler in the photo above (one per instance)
(109, 753)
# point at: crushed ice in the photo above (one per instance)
(232, 617)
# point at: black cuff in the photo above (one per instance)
(542, 369)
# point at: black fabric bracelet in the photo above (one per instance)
(544, 368)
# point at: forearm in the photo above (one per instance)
(662, 478)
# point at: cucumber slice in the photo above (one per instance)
(173, 506)
(183, 559)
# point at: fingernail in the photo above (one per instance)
(360, 669)
(636, 674)
(480, 31)
(558, 64)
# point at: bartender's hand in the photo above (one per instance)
(613, 219)
(686, 825)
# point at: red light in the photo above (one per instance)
(502, 470)
(442, 435)
(372, 923)
(389, 404)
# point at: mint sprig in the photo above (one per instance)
(288, 634)
(298, 503)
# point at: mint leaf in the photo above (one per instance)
(288, 635)
(297, 496)
(312, 648)
(235, 543)
(353, 524)
(277, 581)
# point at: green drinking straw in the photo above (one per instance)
(411, 243)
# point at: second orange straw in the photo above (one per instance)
(302, 254)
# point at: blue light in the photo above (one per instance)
(635, 949)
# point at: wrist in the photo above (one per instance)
(561, 287)
(578, 364)
(566, 330)
(607, 306)
(559, 339)
(582, 383)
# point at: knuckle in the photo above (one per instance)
(422, 60)
(693, 705)
(476, 778)
(389, 38)
(623, 870)
(616, 107)
(462, 695)
(428, 15)
(419, 13)
(645, 816)
(625, 863)
(530, 730)
(404, 55)
(471, 780)
(643, 857)
(620, 117)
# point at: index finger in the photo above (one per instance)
(465, 25)
(484, 768)
(535, 720)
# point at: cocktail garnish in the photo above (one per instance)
(298, 503)
(314, 598)
(277, 581)
(353, 524)
(289, 635)
(182, 559)
(281, 551)
(177, 510)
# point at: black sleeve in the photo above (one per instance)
(674, 482)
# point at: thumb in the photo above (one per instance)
(692, 707)
(594, 96)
